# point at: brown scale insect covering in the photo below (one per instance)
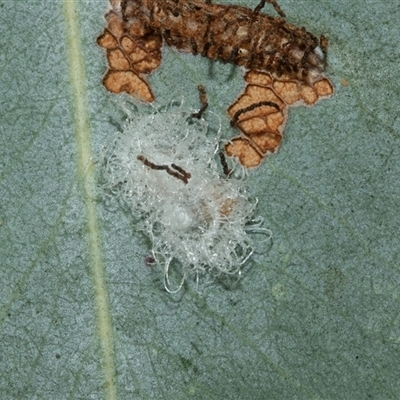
(285, 63)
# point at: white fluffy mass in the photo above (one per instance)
(202, 225)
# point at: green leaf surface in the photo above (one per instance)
(315, 314)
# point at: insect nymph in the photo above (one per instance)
(285, 63)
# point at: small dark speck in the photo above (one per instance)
(58, 356)
(149, 260)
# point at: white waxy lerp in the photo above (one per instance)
(201, 225)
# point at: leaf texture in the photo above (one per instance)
(315, 314)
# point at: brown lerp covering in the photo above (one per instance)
(285, 63)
